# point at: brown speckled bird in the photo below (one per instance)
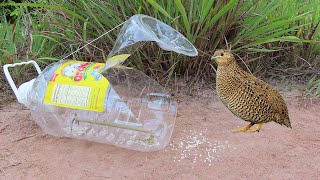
(246, 96)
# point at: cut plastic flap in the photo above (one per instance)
(145, 28)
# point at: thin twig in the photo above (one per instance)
(72, 53)
(23, 138)
(303, 60)
(244, 63)
(77, 119)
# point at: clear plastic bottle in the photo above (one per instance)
(136, 112)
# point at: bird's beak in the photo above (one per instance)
(214, 57)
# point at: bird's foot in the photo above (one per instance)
(247, 128)
(244, 129)
(253, 130)
(257, 129)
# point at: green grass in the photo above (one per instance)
(274, 38)
(312, 88)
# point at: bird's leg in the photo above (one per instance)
(244, 129)
(259, 126)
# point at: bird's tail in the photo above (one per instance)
(283, 121)
(287, 123)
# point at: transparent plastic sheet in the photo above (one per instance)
(141, 28)
(138, 113)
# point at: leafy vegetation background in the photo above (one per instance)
(274, 39)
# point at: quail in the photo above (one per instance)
(246, 96)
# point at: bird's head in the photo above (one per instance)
(223, 57)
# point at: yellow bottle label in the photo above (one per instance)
(78, 85)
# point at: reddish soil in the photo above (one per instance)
(202, 147)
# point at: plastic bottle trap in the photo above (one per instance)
(105, 102)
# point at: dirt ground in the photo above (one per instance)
(202, 147)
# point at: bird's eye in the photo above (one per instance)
(221, 54)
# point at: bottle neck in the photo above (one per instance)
(24, 92)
